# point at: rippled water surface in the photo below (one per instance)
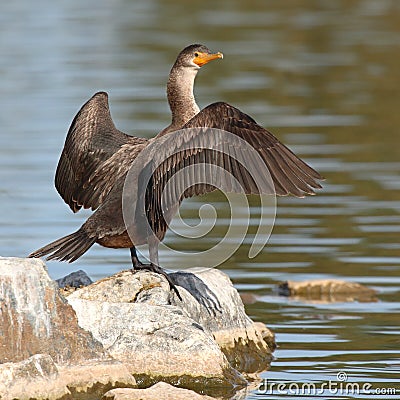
(324, 76)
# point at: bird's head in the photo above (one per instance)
(195, 56)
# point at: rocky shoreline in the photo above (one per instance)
(125, 331)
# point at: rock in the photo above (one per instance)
(156, 340)
(38, 377)
(28, 379)
(160, 391)
(95, 377)
(130, 323)
(75, 279)
(36, 319)
(327, 291)
(248, 298)
(242, 341)
(137, 317)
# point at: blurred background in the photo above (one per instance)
(322, 75)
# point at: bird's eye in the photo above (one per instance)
(196, 54)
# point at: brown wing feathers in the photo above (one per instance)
(91, 140)
(290, 174)
(96, 155)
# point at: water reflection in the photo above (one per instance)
(322, 75)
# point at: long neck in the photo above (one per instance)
(180, 96)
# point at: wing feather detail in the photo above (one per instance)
(290, 174)
(92, 142)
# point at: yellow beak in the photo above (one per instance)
(204, 58)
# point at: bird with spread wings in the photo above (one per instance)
(97, 157)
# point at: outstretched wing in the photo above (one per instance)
(92, 139)
(290, 174)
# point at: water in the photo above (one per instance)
(322, 75)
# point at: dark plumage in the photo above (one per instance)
(97, 156)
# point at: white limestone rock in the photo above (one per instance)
(36, 319)
(160, 391)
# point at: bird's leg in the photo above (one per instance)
(138, 265)
(153, 253)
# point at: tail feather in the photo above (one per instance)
(68, 248)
